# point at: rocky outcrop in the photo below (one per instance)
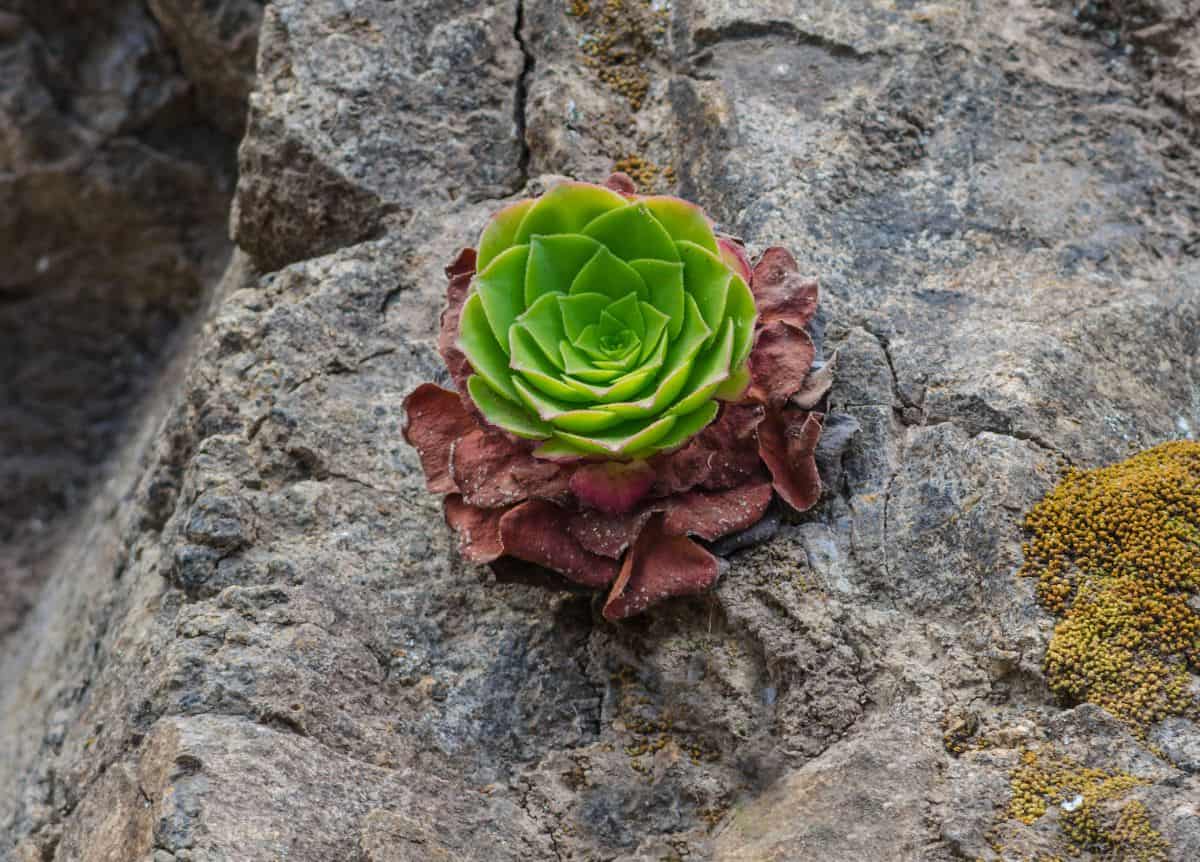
(259, 642)
(114, 198)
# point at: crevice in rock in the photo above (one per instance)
(886, 346)
(521, 96)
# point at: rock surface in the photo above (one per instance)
(258, 642)
(114, 198)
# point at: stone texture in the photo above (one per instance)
(259, 641)
(216, 44)
(114, 193)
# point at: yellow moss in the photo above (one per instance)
(624, 34)
(1116, 554)
(1043, 780)
(1133, 832)
(645, 174)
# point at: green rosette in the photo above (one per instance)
(606, 326)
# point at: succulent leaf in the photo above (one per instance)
(567, 208)
(501, 287)
(500, 233)
(664, 279)
(632, 232)
(555, 261)
(683, 220)
(543, 321)
(482, 350)
(503, 413)
(607, 274)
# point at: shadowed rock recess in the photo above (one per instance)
(257, 642)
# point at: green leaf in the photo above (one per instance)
(664, 281)
(503, 413)
(709, 372)
(607, 274)
(502, 288)
(691, 338)
(567, 208)
(581, 311)
(676, 370)
(630, 384)
(577, 364)
(683, 220)
(500, 232)
(554, 261)
(567, 417)
(621, 440)
(632, 232)
(543, 320)
(628, 311)
(475, 339)
(557, 449)
(739, 308)
(685, 428)
(656, 322)
(530, 363)
(705, 278)
(609, 344)
(735, 387)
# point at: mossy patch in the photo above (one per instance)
(1116, 555)
(646, 175)
(1094, 815)
(621, 38)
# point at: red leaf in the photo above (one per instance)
(780, 293)
(659, 566)
(460, 273)
(723, 455)
(787, 442)
(434, 419)
(734, 255)
(478, 529)
(607, 535)
(621, 183)
(490, 470)
(612, 486)
(537, 531)
(780, 362)
(709, 515)
(712, 515)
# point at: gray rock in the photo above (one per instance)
(258, 640)
(114, 196)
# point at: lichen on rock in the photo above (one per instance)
(1116, 555)
(1094, 814)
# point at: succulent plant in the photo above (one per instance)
(627, 384)
(604, 326)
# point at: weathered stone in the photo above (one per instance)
(260, 634)
(114, 196)
(217, 44)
